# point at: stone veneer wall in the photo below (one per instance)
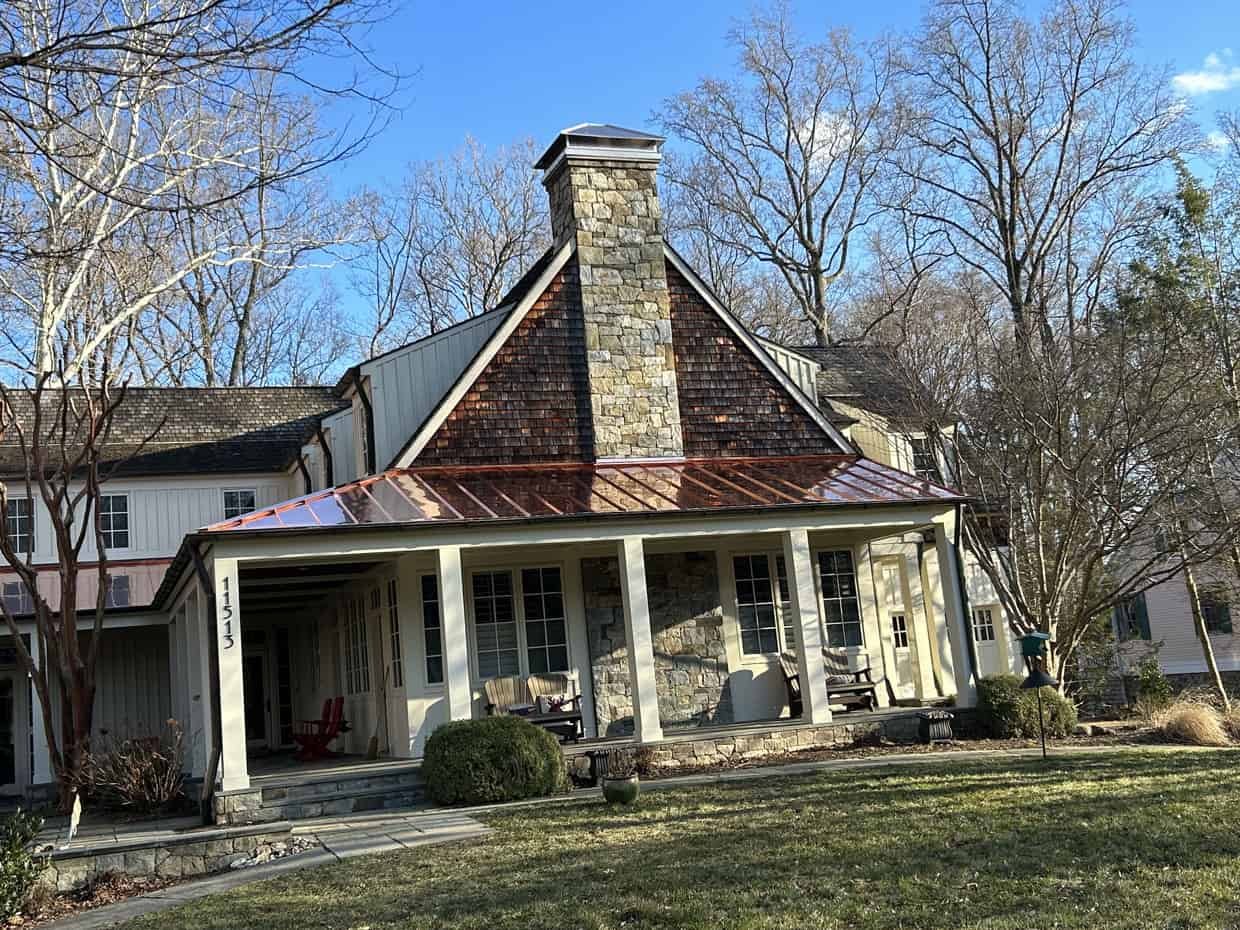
(612, 208)
(199, 853)
(686, 624)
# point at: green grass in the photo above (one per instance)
(1127, 840)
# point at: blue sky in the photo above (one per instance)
(503, 71)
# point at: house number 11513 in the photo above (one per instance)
(226, 615)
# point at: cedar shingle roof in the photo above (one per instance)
(865, 376)
(204, 430)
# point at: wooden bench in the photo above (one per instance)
(519, 696)
(845, 685)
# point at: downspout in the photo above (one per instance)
(213, 665)
(305, 473)
(964, 601)
(370, 423)
(327, 454)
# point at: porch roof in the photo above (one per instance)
(481, 494)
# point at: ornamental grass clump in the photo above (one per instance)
(1192, 720)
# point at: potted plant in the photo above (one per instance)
(620, 781)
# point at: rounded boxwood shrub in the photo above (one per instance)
(1006, 712)
(491, 760)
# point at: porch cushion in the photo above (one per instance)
(841, 680)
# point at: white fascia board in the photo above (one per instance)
(482, 359)
(751, 343)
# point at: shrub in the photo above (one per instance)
(20, 866)
(145, 775)
(1006, 712)
(490, 760)
(1153, 689)
(1194, 721)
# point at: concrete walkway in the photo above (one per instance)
(339, 838)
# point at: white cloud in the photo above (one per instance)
(1217, 141)
(1217, 73)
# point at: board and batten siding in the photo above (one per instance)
(163, 510)
(407, 384)
(801, 369)
(339, 430)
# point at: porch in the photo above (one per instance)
(661, 621)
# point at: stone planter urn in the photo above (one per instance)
(621, 790)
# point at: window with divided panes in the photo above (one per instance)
(432, 630)
(393, 616)
(841, 607)
(519, 622)
(984, 625)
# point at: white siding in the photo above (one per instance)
(408, 383)
(1171, 625)
(339, 429)
(802, 370)
(163, 510)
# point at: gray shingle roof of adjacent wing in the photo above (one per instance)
(868, 377)
(200, 430)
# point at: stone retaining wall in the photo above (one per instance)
(199, 853)
(750, 743)
(686, 625)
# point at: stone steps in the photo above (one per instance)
(325, 794)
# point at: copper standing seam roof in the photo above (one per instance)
(480, 494)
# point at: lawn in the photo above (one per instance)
(1132, 840)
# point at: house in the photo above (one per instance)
(604, 476)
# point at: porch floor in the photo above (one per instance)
(284, 769)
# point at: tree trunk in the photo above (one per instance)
(1203, 635)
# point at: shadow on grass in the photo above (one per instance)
(869, 848)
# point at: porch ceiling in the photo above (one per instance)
(428, 495)
(278, 589)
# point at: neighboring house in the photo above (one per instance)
(605, 476)
(1159, 621)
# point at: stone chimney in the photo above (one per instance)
(601, 182)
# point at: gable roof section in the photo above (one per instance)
(535, 286)
(204, 430)
(531, 403)
(761, 369)
(865, 376)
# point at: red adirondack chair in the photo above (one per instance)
(313, 736)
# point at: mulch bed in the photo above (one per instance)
(107, 890)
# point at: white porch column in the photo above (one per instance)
(646, 725)
(233, 765)
(456, 682)
(918, 627)
(812, 672)
(203, 739)
(42, 773)
(953, 603)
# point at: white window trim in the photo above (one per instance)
(33, 518)
(128, 518)
(437, 687)
(995, 617)
(518, 594)
(224, 492)
(863, 648)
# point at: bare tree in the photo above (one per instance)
(788, 156)
(62, 436)
(1030, 148)
(112, 117)
(450, 242)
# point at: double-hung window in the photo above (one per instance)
(984, 625)
(118, 591)
(925, 463)
(841, 607)
(756, 604)
(1215, 611)
(238, 501)
(899, 631)
(19, 524)
(519, 622)
(114, 520)
(17, 599)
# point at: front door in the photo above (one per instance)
(254, 675)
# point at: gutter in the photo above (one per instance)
(370, 422)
